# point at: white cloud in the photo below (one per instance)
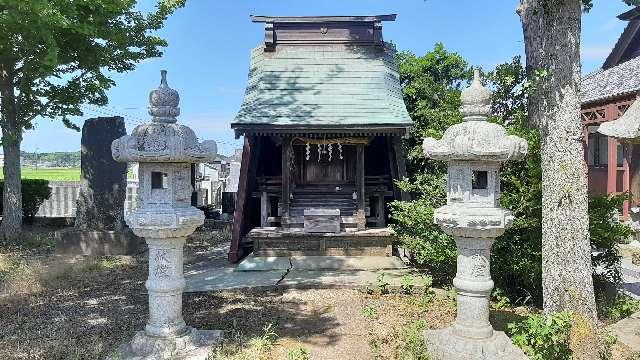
(595, 52)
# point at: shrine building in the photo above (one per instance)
(322, 119)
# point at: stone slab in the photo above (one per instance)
(346, 263)
(628, 332)
(260, 263)
(264, 263)
(216, 278)
(98, 243)
(318, 279)
(442, 344)
(226, 278)
(194, 345)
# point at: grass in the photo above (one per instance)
(52, 174)
(83, 308)
(241, 347)
(369, 312)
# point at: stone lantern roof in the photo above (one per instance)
(476, 138)
(163, 140)
(626, 128)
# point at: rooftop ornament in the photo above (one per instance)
(473, 150)
(165, 151)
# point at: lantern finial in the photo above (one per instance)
(164, 101)
(476, 100)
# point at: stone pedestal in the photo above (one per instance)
(445, 344)
(166, 335)
(472, 336)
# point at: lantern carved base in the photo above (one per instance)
(192, 345)
(445, 344)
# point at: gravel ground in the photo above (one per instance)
(76, 308)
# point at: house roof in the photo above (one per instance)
(620, 80)
(619, 73)
(305, 81)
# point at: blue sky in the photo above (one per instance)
(209, 43)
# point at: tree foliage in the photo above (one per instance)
(57, 52)
(431, 86)
(56, 55)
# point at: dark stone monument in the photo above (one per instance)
(104, 181)
(99, 226)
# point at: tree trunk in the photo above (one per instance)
(552, 47)
(11, 140)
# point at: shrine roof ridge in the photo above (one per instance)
(321, 19)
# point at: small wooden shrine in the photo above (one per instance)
(322, 120)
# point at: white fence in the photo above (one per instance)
(64, 195)
(62, 202)
(131, 201)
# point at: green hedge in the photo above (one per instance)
(34, 193)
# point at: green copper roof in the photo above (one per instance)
(342, 85)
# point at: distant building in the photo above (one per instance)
(217, 181)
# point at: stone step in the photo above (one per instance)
(300, 220)
(326, 202)
(266, 263)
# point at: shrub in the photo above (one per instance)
(382, 284)
(606, 232)
(407, 285)
(544, 337)
(617, 307)
(265, 342)
(34, 193)
(369, 312)
(413, 347)
(561, 336)
(299, 353)
(428, 245)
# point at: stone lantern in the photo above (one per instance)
(473, 150)
(165, 151)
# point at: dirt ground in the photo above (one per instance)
(70, 308)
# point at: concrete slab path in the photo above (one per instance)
(211, 271)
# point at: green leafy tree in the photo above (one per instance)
(431, 86)
(56, 55)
